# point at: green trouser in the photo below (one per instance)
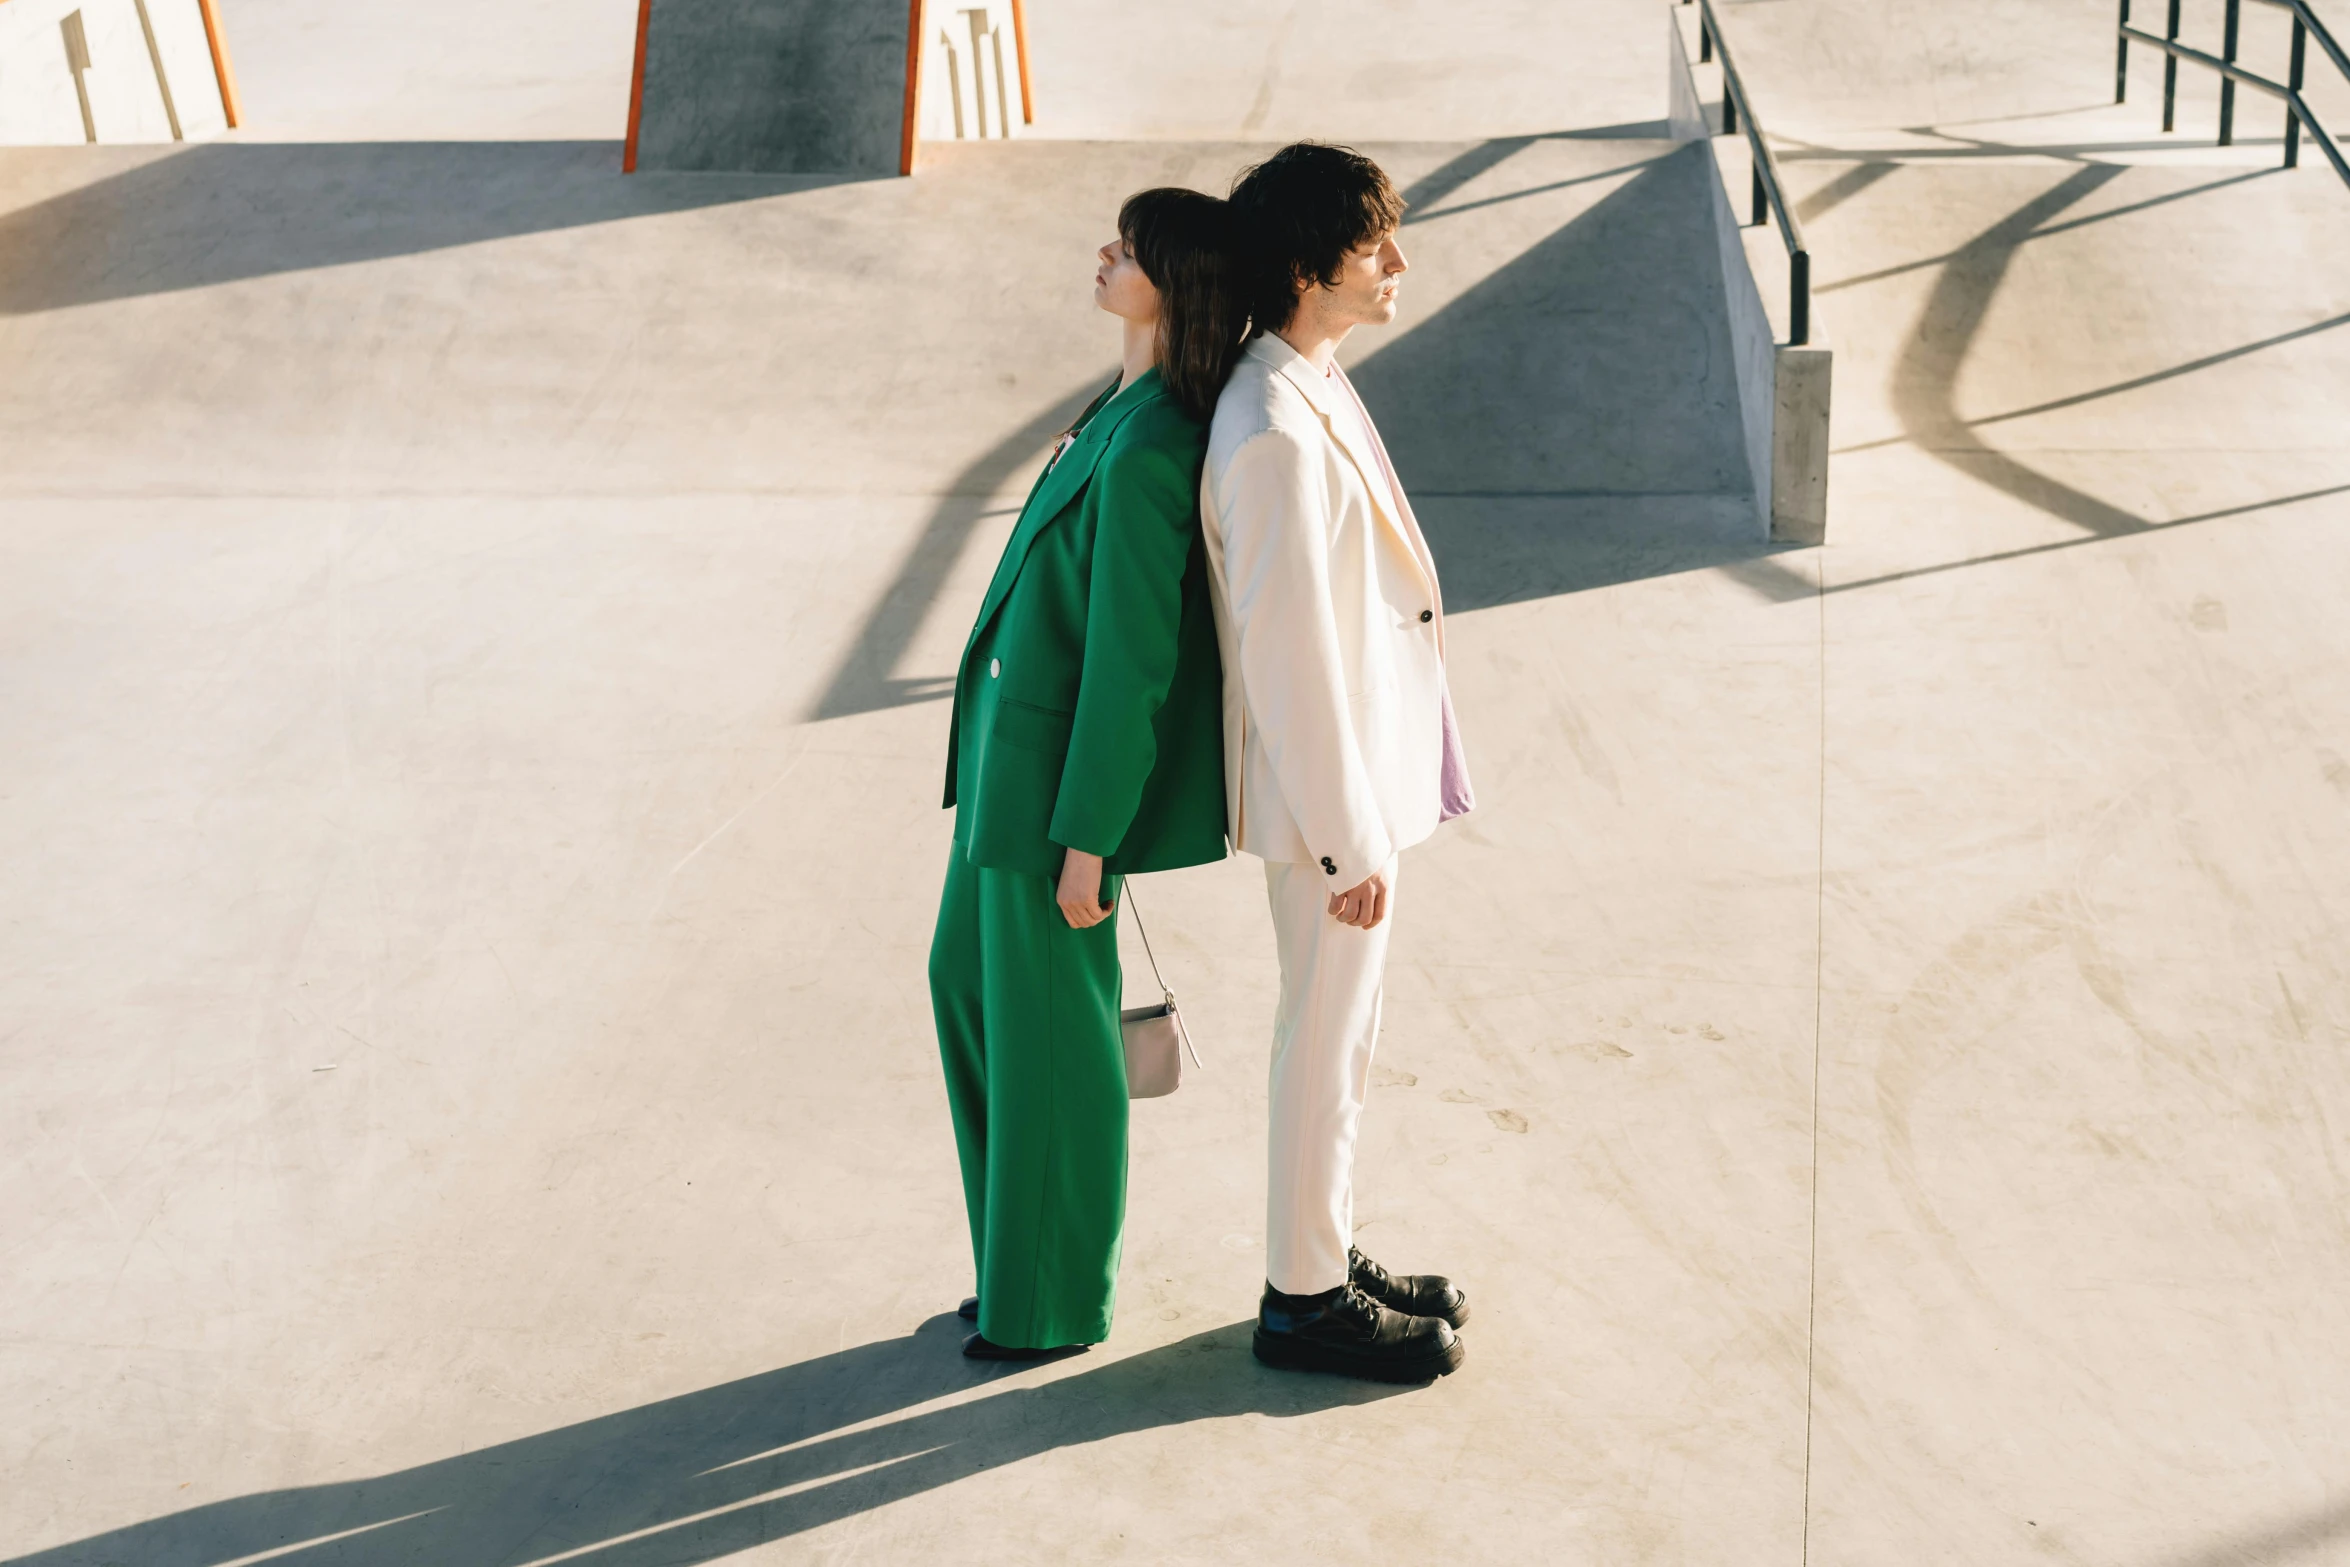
(1036, 1079)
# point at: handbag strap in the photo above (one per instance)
(1181, 1032)
(1135, 909)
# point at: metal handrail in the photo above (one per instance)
(2297, 111)
(1770, 195)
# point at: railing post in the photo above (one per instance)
(2170, 70)
(1798, 298)
(1729, 107)
(2227, 85)
(2293, 80)
(1705, 43)
(2121, 58)
(1762, 200)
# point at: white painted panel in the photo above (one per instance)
(187, 60)
(37, 105)
(125, 101)
(970, 71)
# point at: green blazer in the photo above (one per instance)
(1089, 705)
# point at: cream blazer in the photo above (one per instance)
(1330, 623)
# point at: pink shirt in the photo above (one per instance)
(1454, 789)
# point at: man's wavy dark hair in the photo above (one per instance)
(1299, 213)
(1183, 242)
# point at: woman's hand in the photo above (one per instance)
(1080, 896)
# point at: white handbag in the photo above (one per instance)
(1155, 1038)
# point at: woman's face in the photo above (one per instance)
(1120, 288)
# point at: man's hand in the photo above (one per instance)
(1363, 907)
(1080, 896)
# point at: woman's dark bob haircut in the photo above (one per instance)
(1183, 242)
(1299, 214)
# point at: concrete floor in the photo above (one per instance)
(2081, 1249)
(470, 628)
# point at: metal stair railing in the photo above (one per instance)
(2297, 111)
(1770, 196)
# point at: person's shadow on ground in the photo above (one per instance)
(717, 1471)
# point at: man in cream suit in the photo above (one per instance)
(1339, 745)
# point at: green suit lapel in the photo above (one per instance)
(1055, 490)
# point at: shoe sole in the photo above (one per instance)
(1005, 1354)
(1289, 1355)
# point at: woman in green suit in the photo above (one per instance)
(1087, 743)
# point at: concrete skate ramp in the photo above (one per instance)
(476, 626)
(774, 86)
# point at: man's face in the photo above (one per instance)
(1369, 280)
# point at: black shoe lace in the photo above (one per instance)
(1362, 1271)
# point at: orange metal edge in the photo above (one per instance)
(1020, 44)
(231, 108)
(913, 85)
(636, 85)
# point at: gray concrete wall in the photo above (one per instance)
(1752, 346)
(1783, 390)
(774, 86)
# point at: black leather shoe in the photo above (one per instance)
(969, 1310)
(1413, 1294)
(1345, 1331)
(979, 1348)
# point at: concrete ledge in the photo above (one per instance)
(1783, 390)
(1799, 443)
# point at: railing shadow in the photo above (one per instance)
(1926, 376)
(717, 1471)
(2300, 1539)
(865, 678)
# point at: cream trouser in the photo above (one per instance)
(1323, 1034)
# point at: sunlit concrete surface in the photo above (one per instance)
(1373, 70)
(1134, 69)
(475, 630)
(2082, 1249)
(435, 70)
(471, 634)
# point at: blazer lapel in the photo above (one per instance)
(1053, 491)
(1406, 523)
(1323, 398)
